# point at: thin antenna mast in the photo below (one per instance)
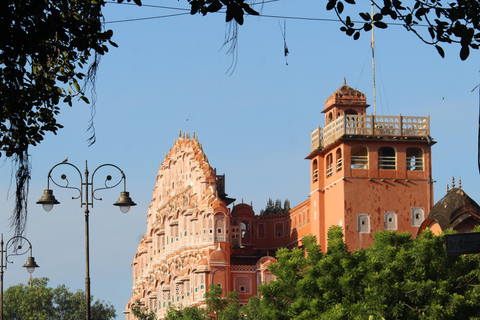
(373, 68)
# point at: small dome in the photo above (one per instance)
(218, 256)
(346, 96)
(452, 210)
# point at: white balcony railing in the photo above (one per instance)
(359, 125)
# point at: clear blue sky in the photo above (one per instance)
(172, 73)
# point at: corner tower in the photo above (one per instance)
(368, 172)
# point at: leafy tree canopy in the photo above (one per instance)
(399, 277)
(46, 47)
(39, 302)
(435, 22)
(276, 208)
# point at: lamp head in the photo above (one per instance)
(31, 264)
(124, 202)
(47, 200)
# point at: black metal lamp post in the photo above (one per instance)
(30, 264)
(86, 189)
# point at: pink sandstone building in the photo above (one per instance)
(368, 173)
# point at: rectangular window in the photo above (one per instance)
(417, 216)
(363, 223)
(390, 221)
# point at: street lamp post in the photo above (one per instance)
(86, 196)
(30, 264)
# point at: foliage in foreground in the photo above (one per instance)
(36, 301)
(399, 277)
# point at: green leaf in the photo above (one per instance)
(365, 16)
(239, 18)
(214, 7)
(408, 19)
(440, 51)
(464, 52)
(380, 24)
(249, 10)
(331, 4)
(340, 6)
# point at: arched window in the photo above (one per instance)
(315, 170)
(219, 229)
(244, 229)
(351, 111)
(210, 223)
(338, 159)
(359, 157)
(414, 159)
(329, 164)
(386, 158)
(330, 117)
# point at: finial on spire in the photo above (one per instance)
(188, 135)
(184, 136)
(460, 182)
(453, 182)
(344, 81)
(447, 188)
(180, 133)
(193, 134)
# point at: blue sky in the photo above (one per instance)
(172, 73)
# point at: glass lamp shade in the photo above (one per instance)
(47, 200)
(31, 265)
(124, 209)
(124, 202)
(47, 206)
